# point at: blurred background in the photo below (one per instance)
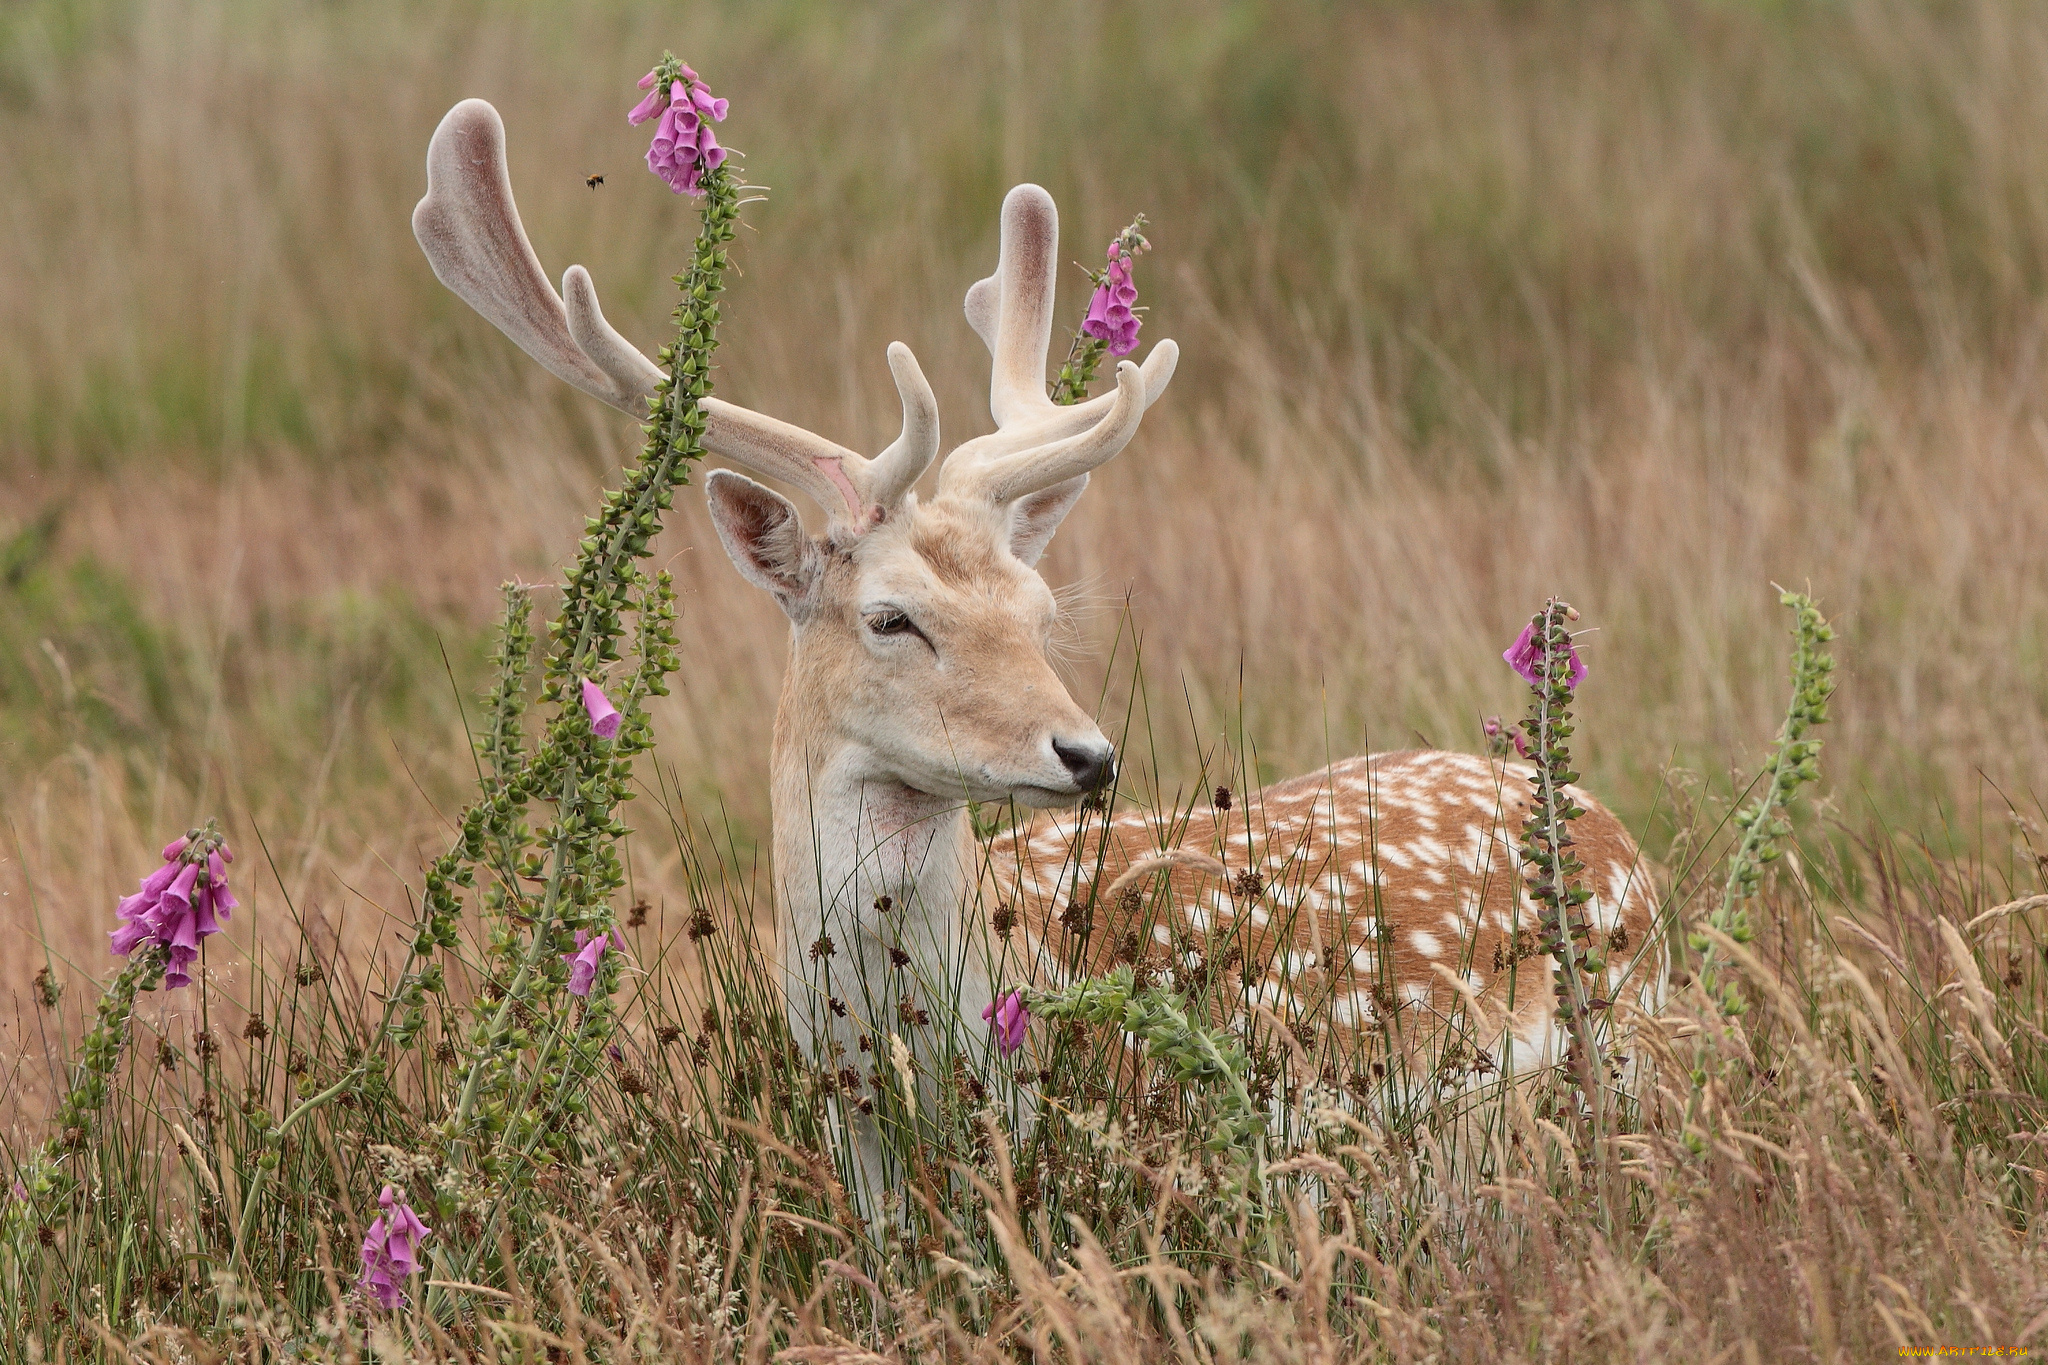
(1649, 305)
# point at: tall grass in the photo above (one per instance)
(1649, 304)
(1842, 1167)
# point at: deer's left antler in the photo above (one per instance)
(469, 227)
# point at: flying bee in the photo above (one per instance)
(593, 180)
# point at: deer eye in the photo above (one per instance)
(892, 623)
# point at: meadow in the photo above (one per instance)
(1652, 306)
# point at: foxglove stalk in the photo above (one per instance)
(1111, 323)
(1110, 319)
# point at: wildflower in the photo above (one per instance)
(653, 104)
(583, 962)
(177, 906)
(1525, 656)
(391, 1251)
(1011, 1016)
(604, 717)
(1499, 739)
(1110, 318)
(684, 147)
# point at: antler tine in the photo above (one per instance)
(1059, 422)
(1023, 295)
(1005, 478)
(837, 478)
(631, 371)
(783, 451)
(1011, 311)
(469, 227)
(890, 474)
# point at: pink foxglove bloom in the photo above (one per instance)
(1499, 736)
(178, 906)
(650, 106)
(1011, 1017)
(1110, 317)
(604, 717)
(1525, 656)
(583, 962)
(391, 1252)
(684, 147)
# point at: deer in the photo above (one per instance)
(1381, 896)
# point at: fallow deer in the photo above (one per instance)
(1378, 897)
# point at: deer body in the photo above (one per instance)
(1374, 895)
(1377, 908)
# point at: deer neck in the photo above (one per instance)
(846, 835)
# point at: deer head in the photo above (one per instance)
(920, 629)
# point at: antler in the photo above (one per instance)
(834, 476)
(1037, 443)
(469, 227)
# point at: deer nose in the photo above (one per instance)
(1091, 763)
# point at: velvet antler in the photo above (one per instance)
(469, 227)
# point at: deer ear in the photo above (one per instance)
(760, 529)
(1035, 517)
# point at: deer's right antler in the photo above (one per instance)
(469, 227)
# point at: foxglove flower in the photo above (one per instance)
(684, 147)
(1499, 737)
(1525, 656)
(1011, 1017)
(604, 717)
(391, 1251)
(1110, 318)
(179, 905)
(583, 962)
